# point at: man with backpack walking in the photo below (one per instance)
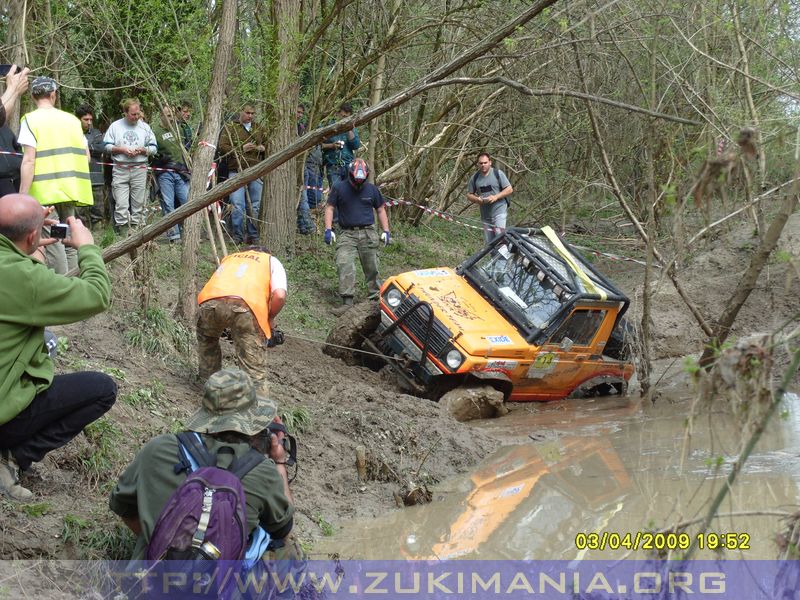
(489, 188)
(221, 457)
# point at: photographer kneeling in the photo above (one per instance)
(41, 411)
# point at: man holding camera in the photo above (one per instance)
(489, 188)
(55, 164)
(244, 294)
(233, 418)
(338, 150)
(40, 411)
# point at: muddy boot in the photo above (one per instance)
(347, 303)
(9, 479)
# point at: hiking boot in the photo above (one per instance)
(347, 304)
(9, 478)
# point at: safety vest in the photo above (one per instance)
(61, 169)
(244, 275)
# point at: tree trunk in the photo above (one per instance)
(17, 13)
(201, 162)
(280, 191)
(377, 88)
(299, 145)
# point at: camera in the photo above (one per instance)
(59, 231)
(4, 70)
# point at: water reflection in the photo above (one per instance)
(581, 466)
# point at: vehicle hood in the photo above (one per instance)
(475, 323)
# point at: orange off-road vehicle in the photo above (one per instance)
(527, 314)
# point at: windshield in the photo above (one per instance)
(517, 280)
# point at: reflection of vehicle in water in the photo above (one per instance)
(527, 315)
(576, 480)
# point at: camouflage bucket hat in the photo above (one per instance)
(43, 85)
(230, 403)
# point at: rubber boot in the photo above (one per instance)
(347, 303)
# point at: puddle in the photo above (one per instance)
(580, 466)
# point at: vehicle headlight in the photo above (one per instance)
(454, 359)
(394, 297)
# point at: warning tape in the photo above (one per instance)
(498, 230)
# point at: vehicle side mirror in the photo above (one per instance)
(566, 344)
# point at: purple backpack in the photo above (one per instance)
(206, 517)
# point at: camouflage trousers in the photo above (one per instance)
(214, 316)
(363, 243)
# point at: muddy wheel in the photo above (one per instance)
(350, 329)
(469, 402)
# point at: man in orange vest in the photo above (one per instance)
(244, 294)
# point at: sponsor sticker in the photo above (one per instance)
(501, 365)
(512, 491)
(542, 365)
(499, 340)
(431, 273)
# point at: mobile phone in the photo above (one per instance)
(4, 69)
(59, 231)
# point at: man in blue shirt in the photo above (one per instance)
(357, 200)
(338, 150)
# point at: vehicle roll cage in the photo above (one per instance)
(567, 289)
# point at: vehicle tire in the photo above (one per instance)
(350, 329)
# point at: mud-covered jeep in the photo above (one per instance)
(527, 315)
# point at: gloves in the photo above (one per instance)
(330, 237)
(276, 339)
(386, 238)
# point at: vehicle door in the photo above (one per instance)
(568, 357)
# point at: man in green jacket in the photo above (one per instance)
(40, 411)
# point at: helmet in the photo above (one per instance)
(358, 172)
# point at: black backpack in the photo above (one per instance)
(496, 171)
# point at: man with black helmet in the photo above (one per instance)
(357, 200)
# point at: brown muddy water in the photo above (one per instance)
(611, 465)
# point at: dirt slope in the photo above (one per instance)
(408, 441)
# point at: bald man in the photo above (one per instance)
(40, 411)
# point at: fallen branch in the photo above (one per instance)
(316, 136)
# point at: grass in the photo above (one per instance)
(159, 334)
(146, 397)
(108, 543)
(326, 527)
(296, 419)
(104, 441)
(37, 509)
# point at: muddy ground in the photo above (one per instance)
(409, 442)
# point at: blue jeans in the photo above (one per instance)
(174, 193)
(312, 179)
(336, 174)
(239, 209)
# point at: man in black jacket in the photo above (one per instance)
(99, 211)
(9, 163)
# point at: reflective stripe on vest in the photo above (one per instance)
(61, 169)
(244, 275)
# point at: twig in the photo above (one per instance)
(748, 449)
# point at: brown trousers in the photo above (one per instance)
(249, 341)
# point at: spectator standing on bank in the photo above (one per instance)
(357, 201)
(99, 212)
(184, 125)
(55, 165)
(311, 196)
(243, 144)
(174, 180)
(338, 150)
(130, 142)
(41, 411)
(9, 163)
(489, 188)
